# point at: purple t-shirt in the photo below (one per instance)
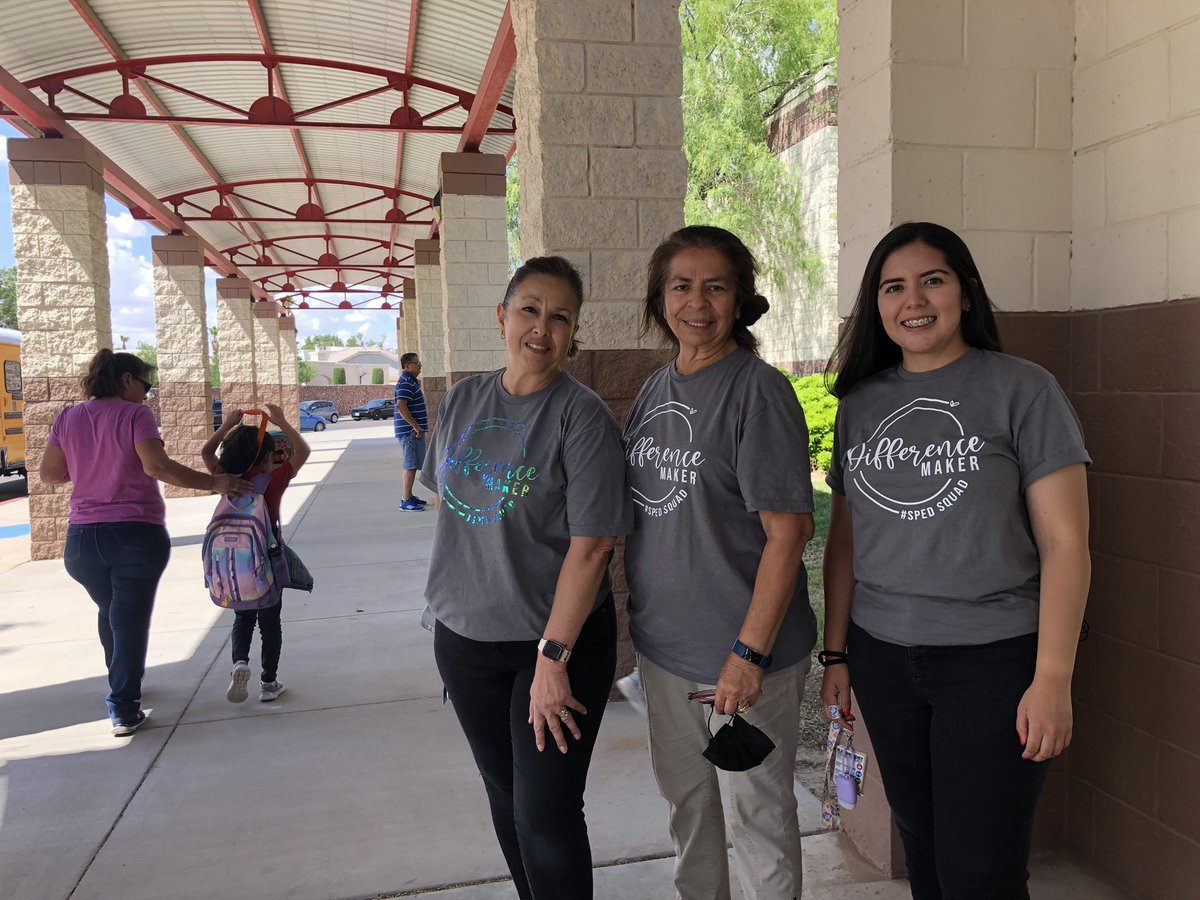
(108, 482)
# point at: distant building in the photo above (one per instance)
(357, 361)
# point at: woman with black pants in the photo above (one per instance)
(527, 468)
(957, 567)
(110, 450)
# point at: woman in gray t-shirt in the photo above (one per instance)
(717, 450)
(956, 569)
(526, 464)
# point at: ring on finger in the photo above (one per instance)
(742, 707)
(564, 713)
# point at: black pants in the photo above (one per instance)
(943, 725)
(270, 629)
(536, 798)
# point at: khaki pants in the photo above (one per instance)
(762, 802)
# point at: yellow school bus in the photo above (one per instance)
(12, 405)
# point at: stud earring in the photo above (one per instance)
(966, 307)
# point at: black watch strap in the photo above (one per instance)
(762, 660)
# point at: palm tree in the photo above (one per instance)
(124, 340)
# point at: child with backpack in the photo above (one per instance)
(268, 465)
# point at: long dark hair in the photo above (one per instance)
(240, 451)
(752, 305)
(864, 347)
(559, 268)
(103, 376)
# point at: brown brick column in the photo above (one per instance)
(235, 331)
(59, 244)
(181, 333)
(408, 331)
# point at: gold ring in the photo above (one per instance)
(564, 713)
(742, 707)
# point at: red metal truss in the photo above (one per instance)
(284, 282)
(269, 110)
(222, 208)
(413, 11)
(39, 120)
(258, 253)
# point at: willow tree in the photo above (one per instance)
(739, 58)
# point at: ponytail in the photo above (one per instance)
(103, 376)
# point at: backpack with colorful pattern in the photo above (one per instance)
(238, 544)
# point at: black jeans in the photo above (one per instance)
(270, 629)
(119, 564)
(943, 725)
(536, 798)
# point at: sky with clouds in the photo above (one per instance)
(132, 279)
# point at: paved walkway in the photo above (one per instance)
(357, 783)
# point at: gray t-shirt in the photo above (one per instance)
(934, 467)
(706, 452)
(518, 477)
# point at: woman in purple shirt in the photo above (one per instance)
(110, 449)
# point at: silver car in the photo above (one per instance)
(325, 409)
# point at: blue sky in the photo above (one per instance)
(132, 279)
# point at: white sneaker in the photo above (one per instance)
(237, 692)
(631, 689)
(269, 692)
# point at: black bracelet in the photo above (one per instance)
(829, 658)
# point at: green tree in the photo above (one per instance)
(148, 354)
(8, 297)
(305, 371)
(377, 376)
(739, 58)
(512, 196)
(321, 341)
(214, 368)
(339, 375)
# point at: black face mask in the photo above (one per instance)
(738, 746)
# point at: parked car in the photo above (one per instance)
(374, 409)
(216, 414)
(311, 423)
(326, 409)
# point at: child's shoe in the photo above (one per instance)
(237, 692)
(269, 692)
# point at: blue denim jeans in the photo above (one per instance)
(119, 564)
(943, 725)
(536, 798)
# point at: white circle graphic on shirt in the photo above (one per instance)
(916, 478)
(485, 474)
(662, 474)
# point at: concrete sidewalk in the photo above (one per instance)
(356, 783)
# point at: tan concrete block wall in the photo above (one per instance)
(235, 331)
(1135, 187)
(600, 126)
(289, 377)
(959, 112)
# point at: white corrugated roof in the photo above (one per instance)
(453, 41)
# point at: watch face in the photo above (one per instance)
(552, 650)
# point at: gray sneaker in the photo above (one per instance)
(269, 692)
(237, 693)
(631, 688)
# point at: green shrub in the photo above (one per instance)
(377, 376)
(339, 375)
(820, 409)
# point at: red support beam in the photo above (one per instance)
(413, 11)
(491, 86)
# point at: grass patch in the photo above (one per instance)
(815, 551)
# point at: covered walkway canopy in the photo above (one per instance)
(300, 142)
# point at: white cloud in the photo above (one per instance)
(125, 225)
(3, 148)
(131, 279)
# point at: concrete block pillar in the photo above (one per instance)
(289, 390)
(409, 339)
(59, 245)
(474, 254)
(432, 325)
(267, 375)
(603, 175)
(235, 331)
(181, 336)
